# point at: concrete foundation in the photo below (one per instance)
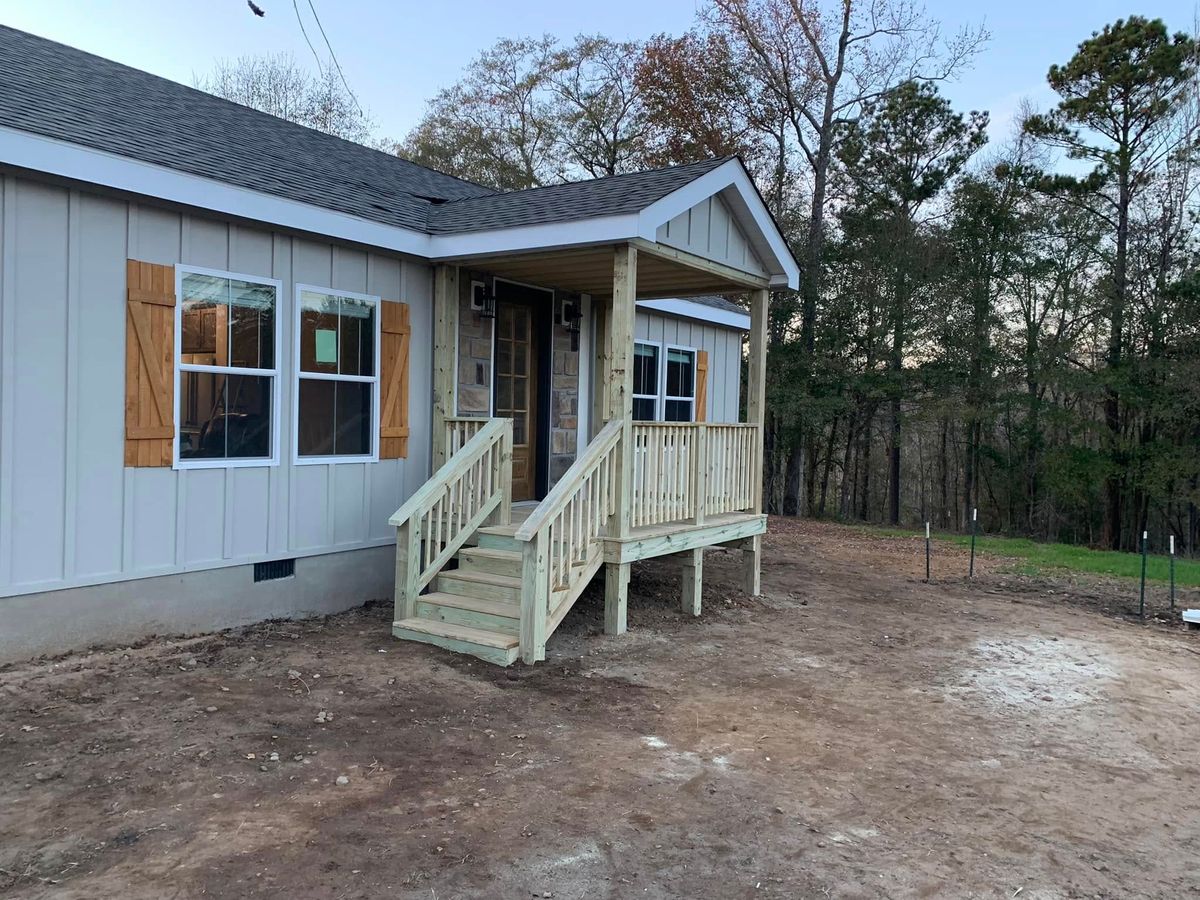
(194, 602)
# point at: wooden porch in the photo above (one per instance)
(477, 574)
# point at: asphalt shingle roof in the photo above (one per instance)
(59, 92)
(611, 196)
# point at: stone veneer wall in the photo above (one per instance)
(474, 354)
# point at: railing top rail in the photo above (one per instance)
(568, 483)
(459, 462)
(645, 423)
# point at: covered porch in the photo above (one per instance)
(635, 489)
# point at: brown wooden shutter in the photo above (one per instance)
(149, 364)
(701, 385)
(393, 375)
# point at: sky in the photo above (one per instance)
(397, 54)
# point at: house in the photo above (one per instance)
(249, 370)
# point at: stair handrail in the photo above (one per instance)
(548, 559)
(472, 487)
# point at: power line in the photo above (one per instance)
(332, 55)
(320, 68)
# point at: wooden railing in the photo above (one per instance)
(473, 487)
(686, 471)
(562, 540)
(460, 429)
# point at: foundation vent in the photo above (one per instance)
(275, 569)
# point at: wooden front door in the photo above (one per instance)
(516, 391)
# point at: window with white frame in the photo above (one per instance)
(337, 390)
(227, 356)
(679, 388)
(645, 381)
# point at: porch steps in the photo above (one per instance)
(489, 615)
(482, 585)
(490, 560)
(491, 646)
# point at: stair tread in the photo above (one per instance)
(482, 577)
(460, 633)
(502, 608)
(489, 553)
(502, 530)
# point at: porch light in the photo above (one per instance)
(484, 300)
(572, 314)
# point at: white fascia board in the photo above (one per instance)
(79, 163)
(733, 183)
(525, 238)
(689, 309)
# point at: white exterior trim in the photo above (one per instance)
(55, 157)
(86, 164)
(689, 309)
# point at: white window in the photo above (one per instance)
(646, 381)
(337, 376)
(679, 385)
(227, 368)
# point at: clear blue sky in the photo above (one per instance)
(397, 54)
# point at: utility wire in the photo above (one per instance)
(320, 68)
(332, 55)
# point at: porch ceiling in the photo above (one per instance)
(661, 271)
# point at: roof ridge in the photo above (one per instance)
(392, 158)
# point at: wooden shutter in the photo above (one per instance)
(393, 376)
(149, 364)
(701, 385)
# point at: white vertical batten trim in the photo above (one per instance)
(8, 256)
(131, 245)
(183, 251)
(71, 447)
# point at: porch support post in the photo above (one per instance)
(756, 407)
(619, 405)
(445, 346)
(692, 570)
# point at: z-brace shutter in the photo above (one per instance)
(149, 364)
(701, 385)
(393, 373)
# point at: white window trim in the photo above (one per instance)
(373, 456)
(657, 397)
(667, 348)
(276, 419)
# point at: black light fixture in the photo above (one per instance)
(572, 315)
(483, 300)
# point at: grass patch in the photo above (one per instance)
(1037, 559)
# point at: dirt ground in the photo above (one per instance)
(853, 733)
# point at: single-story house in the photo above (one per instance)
(250, 370)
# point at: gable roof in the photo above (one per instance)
(57, 91)
(615, 195)
(76, 115)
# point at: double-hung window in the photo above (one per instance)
(337, 390)
(645, 381)
(679, 396)
(227, 396)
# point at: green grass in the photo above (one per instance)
(1032, 558)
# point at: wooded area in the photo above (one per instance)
(1013, 327)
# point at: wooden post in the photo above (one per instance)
(616, 598)
(700, 474)
(445, 341)
(619, 406)
(756, 407)
(692, 569)
(504, 510)
(535, 595)
(408, 569)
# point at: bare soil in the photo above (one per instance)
(852, 733)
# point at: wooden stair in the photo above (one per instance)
(476, 608)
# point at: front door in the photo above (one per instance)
(516, 391)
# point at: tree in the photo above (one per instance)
(278, 85)
(897, 159)
(1118, 92)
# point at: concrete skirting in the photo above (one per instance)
(122, 612)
